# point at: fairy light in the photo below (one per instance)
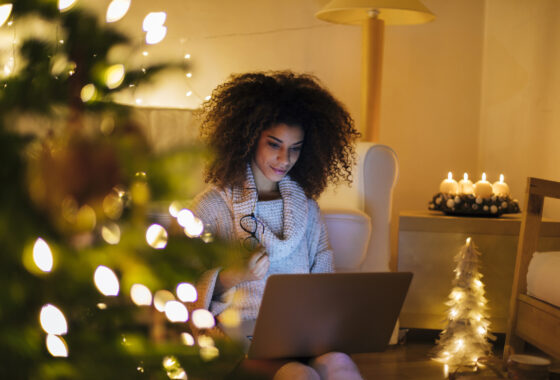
(175, 311)
(156, 236)
(154, 28)
(88, 92)
(161, 297)
(188, 75)
(111, 233)
(203, 319)
(230, 318)
(187, 56)
(114, 76)
(116, 10)
(5, 11)
(56, 346)
(52, 320)
(174, 208)
(66, 5)
(140, 295)
(186, 292)
(187, 339)
(481, 330)
(189, 93)
(195, 228)
(184, 217)
(106, 281)
(42, 255)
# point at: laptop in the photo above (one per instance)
(306, 315)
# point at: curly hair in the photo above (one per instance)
(240, 109)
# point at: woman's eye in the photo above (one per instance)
(296, 149)
(273, 144)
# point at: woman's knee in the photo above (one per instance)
(296, 371)
(336, 365)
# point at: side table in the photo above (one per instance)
(429, 240)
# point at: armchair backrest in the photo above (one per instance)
(366, 202)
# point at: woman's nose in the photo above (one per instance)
(283, 156)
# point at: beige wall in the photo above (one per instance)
(520, 112)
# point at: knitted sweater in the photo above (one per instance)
(290, 230)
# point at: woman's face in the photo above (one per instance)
(278, 149)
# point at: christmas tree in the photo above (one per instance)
(90, 268)
(465, 339)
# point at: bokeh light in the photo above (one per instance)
(56, 346)
(161, 298)
(111, 233)
(185, 217)
(65, 5)
(140, 295)
(203, 319)
(106, 281)
(186, 292)
(52, 320)
(5, 11)
(175, 311)
(195, 228)
(156, 236)
(154, 28)
(114, 76)
(117, 9)
(230, 318)
(42, 255)
(187, 339)
(88, 92)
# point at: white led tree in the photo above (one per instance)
(465, 339)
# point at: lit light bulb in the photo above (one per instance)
(114, 76)
(477, 283)
(188, 75)
(481, 330)
(189, 93)
(56, 346)
(156, 236)
(106, 281)
(186, 292)
(145, 53)
(203, 319)
(5, 11)
(65, 5)
(52, 320)
(42, 255)
(175, 311)
(460, 343)
(140, 295)
(117, 9)
(187, 56)
(208, 97)
(453, 312)
(156, 35)
(174, 208)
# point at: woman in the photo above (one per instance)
(279, 138)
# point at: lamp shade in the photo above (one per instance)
(392, 12)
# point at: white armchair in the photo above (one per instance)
(358, 216)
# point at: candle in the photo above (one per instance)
(449, 185)
(483, 188)
(501, 188)
(465, 185)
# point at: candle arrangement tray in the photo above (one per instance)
(469, 205)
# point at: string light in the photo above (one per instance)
(187, 339)
(140, 295)
(106, 281)
(42, 255)
(111, 233)
(161, 298)
(203, 319)
(175, 311)
(114, 76)
(116, 10)
(5, 11)
(65, 5)
(186, 292)
(154, 28)
(156, 236)
(56, 346)
(52, 320)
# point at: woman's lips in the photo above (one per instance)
(278, 171)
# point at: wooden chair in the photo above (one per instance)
(530, 319)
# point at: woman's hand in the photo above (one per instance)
(255, 269)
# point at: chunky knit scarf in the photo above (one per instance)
(242, 200)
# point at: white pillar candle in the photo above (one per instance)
(465, 185)
(449, 185)
(483, 188)
(501, 188)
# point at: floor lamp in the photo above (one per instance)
(373, 15)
